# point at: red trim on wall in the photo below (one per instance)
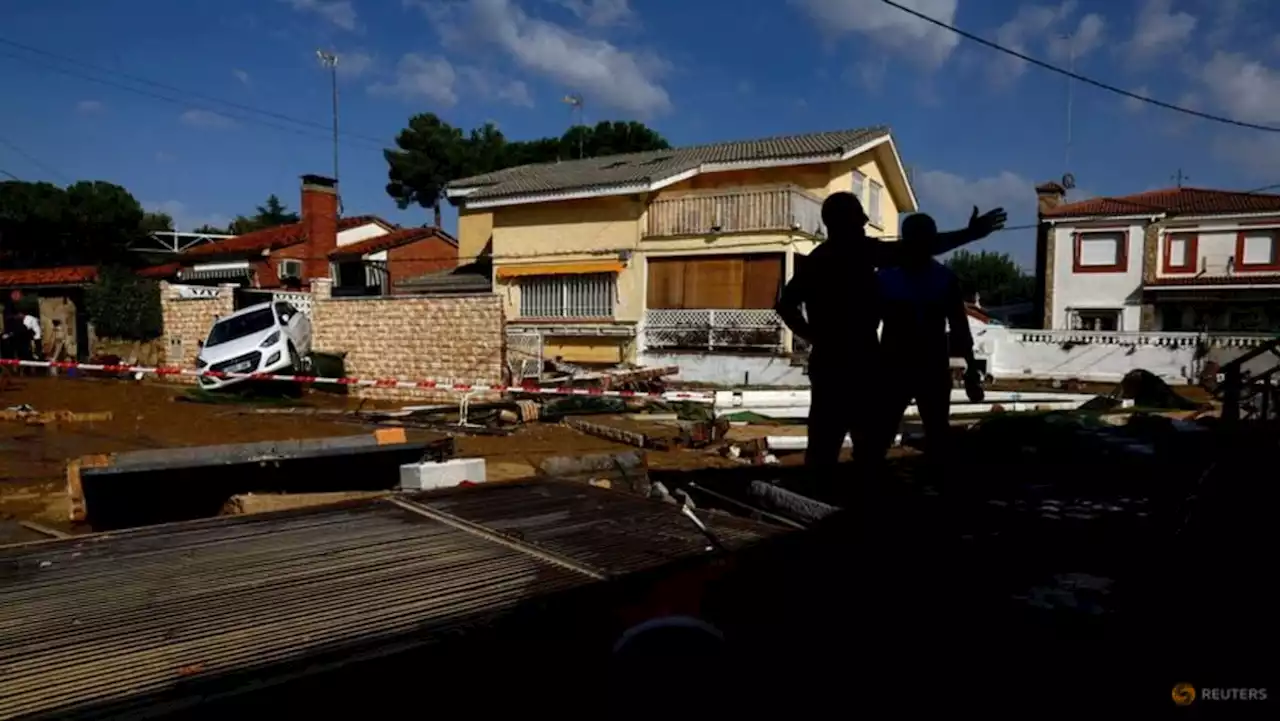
(1272, 266)
(1190, 262)
(1122, 251)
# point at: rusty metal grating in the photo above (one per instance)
(613, 532)
(110, 618)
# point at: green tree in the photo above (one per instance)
(89, 222)
(156, 222)
(994, 277)
(430, 153)
(212, 230)
(123, 305)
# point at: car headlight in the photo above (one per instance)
(270, 340)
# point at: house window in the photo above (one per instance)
(859, 185)
(750, 281)
(1096, 319)
(1181, 253)
(874, 191)
(290, 269)
(1101, 252)
(1256, 250)
(589, 295)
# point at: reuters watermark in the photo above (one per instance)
(1184, 694)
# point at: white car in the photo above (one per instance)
(264, 338)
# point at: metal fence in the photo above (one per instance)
(714, 330)
(245, 297)
(524, 354)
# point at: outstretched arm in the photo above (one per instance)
(884, 254)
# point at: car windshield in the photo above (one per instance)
(240, 326)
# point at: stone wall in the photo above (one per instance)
(453, 339)
(188, 313)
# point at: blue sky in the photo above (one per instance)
(975, 126)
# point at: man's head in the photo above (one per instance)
(918, 232)
(843, 215)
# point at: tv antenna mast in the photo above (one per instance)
(329, 59)
(575, 103)
(1071, 67)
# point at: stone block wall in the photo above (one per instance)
(453, 339)
(188, 313)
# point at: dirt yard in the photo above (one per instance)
(154, 415)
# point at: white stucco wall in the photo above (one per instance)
(1097, 290)
(1215, 243)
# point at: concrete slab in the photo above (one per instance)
(447, 474)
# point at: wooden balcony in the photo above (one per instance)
(738, 210)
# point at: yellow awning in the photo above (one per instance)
(579, 268)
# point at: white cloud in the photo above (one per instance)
(1134, 105)
(600, 13)
(888, 26)
(89, 107)
(1249, 90)
(241, 75)
(604, 73)
(488, 86)
(197, 118)
(422, 78)
(354, 64)
(1044, 26)
(950, 197)
(339, 13)
(1158, 30)
(184, 217)
(870, 73)
(439, 81)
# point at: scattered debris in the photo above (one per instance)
(599, 430)
(430, 475)
(32, 417)
(249, 503)
(627, 470)
(788, 503)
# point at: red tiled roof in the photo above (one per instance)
(394, 239)
(270, 239)
(1199, 280)
(33, 277)
(1173, 201)
(161, 271)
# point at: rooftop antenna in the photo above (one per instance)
(329, 59)
(1071, 68)
(1179, 177)
(575, 103)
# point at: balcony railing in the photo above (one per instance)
(781, 209)
(749, 330)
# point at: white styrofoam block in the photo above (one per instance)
(431, 475)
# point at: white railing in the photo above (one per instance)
(714, 330)
(742, 210)
(1173, 339)
(172, 241)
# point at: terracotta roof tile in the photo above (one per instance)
(270, 239)
(1200, 280)
(34, 277)
(167, 270)
(1172, 201)
(394, 239)
(650, 166)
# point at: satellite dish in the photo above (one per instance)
(1068, 181)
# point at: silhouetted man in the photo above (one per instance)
(831, 302)
(919, 302)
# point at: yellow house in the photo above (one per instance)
(663, 255)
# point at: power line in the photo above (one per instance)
(11, 175)
(1076, 76)
(307, 131)
(33, 160)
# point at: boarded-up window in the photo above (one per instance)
(716, 282)
(1258, 248)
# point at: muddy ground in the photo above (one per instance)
(155, 415)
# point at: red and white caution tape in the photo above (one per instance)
(532, 389)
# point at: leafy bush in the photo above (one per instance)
(122, 305)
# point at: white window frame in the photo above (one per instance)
(875, 196)
(569, 296)
(859, 186)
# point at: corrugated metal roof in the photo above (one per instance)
(108, 625)
(119, 616)
(655, 165)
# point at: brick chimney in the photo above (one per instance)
(1048, 196)
(319, 223)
